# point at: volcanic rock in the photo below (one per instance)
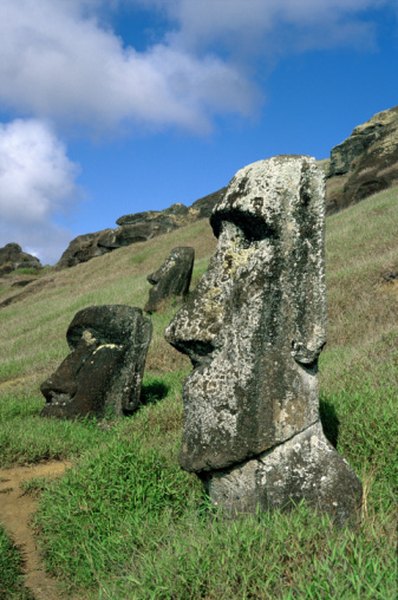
(83, 248)
(365, 163)
(136, 227)
(254, 328)
(103, 373)
(12, 257)
(173, 277)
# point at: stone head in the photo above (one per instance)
(255, 325)
(173, 277)
(105, 367)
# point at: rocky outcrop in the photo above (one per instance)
(136, 227)
(102, 375)
(83, 248)
(12, 257)
(203, 207)
(171, 217)
(173, 277)
(365, 163)
(254, 328)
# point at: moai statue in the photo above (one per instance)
(172, 278)
(254, 329)
(103, 373)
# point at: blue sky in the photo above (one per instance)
(119, 106)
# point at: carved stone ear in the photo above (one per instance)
(305, 272)
(305, 354)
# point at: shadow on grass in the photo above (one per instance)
(154, 391)
(330, 421)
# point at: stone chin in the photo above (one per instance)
(231, 415)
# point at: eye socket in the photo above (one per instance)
(254, 228)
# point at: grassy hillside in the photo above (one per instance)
(125, 521)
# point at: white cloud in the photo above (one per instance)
(37, 182)
(271, 26)
(60, 61)
(57, 62)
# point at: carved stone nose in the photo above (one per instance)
(58, 384)
(194, 330)
(199, 352)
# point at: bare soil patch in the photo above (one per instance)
(16, 510)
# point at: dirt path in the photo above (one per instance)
(16, 510)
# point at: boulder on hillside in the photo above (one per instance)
(12, 257)
(83, 248)
(365, 163)
(174, 214)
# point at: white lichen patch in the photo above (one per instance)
(108, 347)
(88, 337)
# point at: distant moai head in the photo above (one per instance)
(173, 277)
(255, 325)
(104, 371)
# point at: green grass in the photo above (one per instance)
(11, 577)
(272, 556)
(126, 521)
(115, 501)
(26, 271)
(25, 437)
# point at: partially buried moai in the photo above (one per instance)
(254, 329)
(173, 277)
(103, 373)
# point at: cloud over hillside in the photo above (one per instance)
(72, 70)
(37, 181)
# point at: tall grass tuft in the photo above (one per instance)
(11, 575)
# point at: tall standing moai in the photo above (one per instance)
(253, 329)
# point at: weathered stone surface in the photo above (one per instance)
(83, 248)
(133, 228)
(135, 232)
(136, 227)
(365, 163)
(12, 257)
(204, 206)
(255, 325)
(103, 373)
(171, 216)
(306, 467)
(173, 277)
(259, 309)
